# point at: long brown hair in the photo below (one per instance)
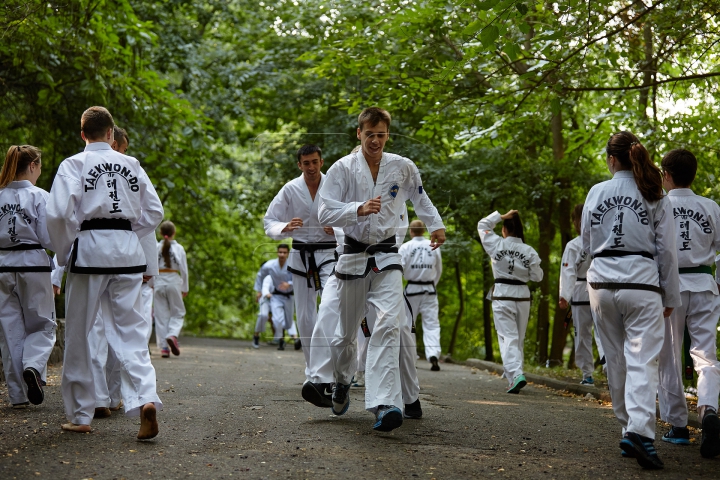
(167, 230)
(514, 226)
(632, 155)
(17, 160)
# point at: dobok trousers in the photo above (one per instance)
(263, 314)
(27, 321)
(306, 308)
(106, 369)
(700, 312)
(630, 323)
(584, 322)
(125, 329)
(282, 309)
(511, 320)
(384, 292)
(169, 308)
(147, 299)
(426, 305)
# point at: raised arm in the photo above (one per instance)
(486, 228)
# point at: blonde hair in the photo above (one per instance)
(417, 228)
(17, 161)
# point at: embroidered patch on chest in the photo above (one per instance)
(394, 189)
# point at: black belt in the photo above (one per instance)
(514, 299)
(577, 304)
(313, 270)
(699, 269)
(106, 224)
(24, 269)
(371, 266)
(413, 282)
(509, 281)
(284, 294)
(354, 246)
(581, 279)
(22, 246)
(620, 253)
(625, 286)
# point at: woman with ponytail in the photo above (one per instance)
(629, 231)
(27, 308)
(171, 286)
(514, 264)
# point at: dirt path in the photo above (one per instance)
(234, 411)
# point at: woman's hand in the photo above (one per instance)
(508, 214)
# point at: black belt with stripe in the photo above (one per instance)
(22, 246)
(311, 267)
(284, 294)
(699, 269)
(413, 282)
(103, 224)
(620, 253)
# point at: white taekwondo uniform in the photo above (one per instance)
(264, 304)
(312, 257)
(281, 303)
(100, 204)
(149, 245)
(573, 288)
(422, 268)
(27, 309)
(170, 284)
(513, 264)
(623, 232)
(697, 226)
(369, 269)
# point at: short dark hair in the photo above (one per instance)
(681, 164)
(373, 116)
(283, 245)
(95, 121)
(121, 133)
(308, 150)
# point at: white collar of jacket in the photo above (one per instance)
(623, 174)
(681, 192)
(20, 184)
(91, 147)
(514, 239)
(418, 239)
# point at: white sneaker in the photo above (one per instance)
(359, 379)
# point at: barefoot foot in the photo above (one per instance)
(148, 422)
(71, 427)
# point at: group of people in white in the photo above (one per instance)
(99, 218)
(639, 272)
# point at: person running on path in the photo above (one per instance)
(514, 263)
(628, 229)
(697, 226)
(263, 299)
(281, 303)
(171, 287)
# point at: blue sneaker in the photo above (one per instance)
(677, 435)
(388, 418)
(588, 381)
(518, 384)
(642, 449)
(340, 399)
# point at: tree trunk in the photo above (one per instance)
(543, 208)
(487, 309)
(458, 318)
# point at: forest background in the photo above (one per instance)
(502, 104)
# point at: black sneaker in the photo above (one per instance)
(256, 341)
(298, 344)
(340, 399)
(677, 435)
(710, 442)
(642, 449)
(34, 386)
(413, 410)
(319, 394)
(388, 418)
(281, 344)
(435, 367)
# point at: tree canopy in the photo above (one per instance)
(502, 104)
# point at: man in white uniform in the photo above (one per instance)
(697, 224)
(364, 194)
(281, 303)
(422, 268)
(265, 294)
(293, 212)
(573, 289)
(101, 203)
